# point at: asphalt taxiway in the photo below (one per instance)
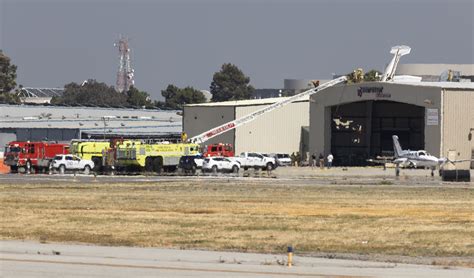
(33, 259)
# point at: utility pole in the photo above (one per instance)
(125, 74)
(105, 125)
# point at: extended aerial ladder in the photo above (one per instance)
(398, 51)
(203, 137)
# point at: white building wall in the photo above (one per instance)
(276, 132)
(458, 120)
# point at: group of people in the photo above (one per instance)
(322, 161)
(295, 159)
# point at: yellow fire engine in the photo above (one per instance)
(94, 150)
(153, 157)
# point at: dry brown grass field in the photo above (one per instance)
(246, 216)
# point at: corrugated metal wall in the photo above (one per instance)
(276, 132)
(198, 119)
(458, 119)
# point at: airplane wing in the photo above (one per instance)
(380, 160)
(462, 160)
(458, 161)
(444, 161)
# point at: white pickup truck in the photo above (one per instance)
(255, 160)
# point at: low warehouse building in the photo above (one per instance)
(279, 131)
(59, 123)
(355, 122)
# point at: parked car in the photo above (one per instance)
(283, 159)
(69, 162)
(224, 164)
(190, 163)
(256, 161)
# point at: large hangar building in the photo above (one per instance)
(280, 131)
(355, 122)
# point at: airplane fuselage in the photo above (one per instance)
(417, 159)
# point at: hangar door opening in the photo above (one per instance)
(363, 130)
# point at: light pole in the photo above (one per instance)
(105, 125)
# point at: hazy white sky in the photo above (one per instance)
(54, 42)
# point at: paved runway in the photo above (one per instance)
(32, 259)
(287, 175)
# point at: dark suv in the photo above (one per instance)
(190, 163)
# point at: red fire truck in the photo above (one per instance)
(220, 149)
(32, 156)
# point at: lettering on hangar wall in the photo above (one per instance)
(377, 92)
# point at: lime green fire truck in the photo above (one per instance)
(94, 150)
(131, 155)
(151, 156)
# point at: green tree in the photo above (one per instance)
(170, 94)
(160, 104)
(92, 93)
(230, 83)
(137, 98)
(190, 95)
(7, 74)
(9, 98)
(175, 97)
(7, 81)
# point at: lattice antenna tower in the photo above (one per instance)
(125, 74)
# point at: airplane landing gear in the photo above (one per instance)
(397, 171)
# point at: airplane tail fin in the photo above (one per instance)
(397, 51)
(397, 149)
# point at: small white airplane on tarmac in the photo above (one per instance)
(420, 158)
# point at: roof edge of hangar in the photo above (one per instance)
(245, 102)
(441, 85)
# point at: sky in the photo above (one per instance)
(55, 42)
